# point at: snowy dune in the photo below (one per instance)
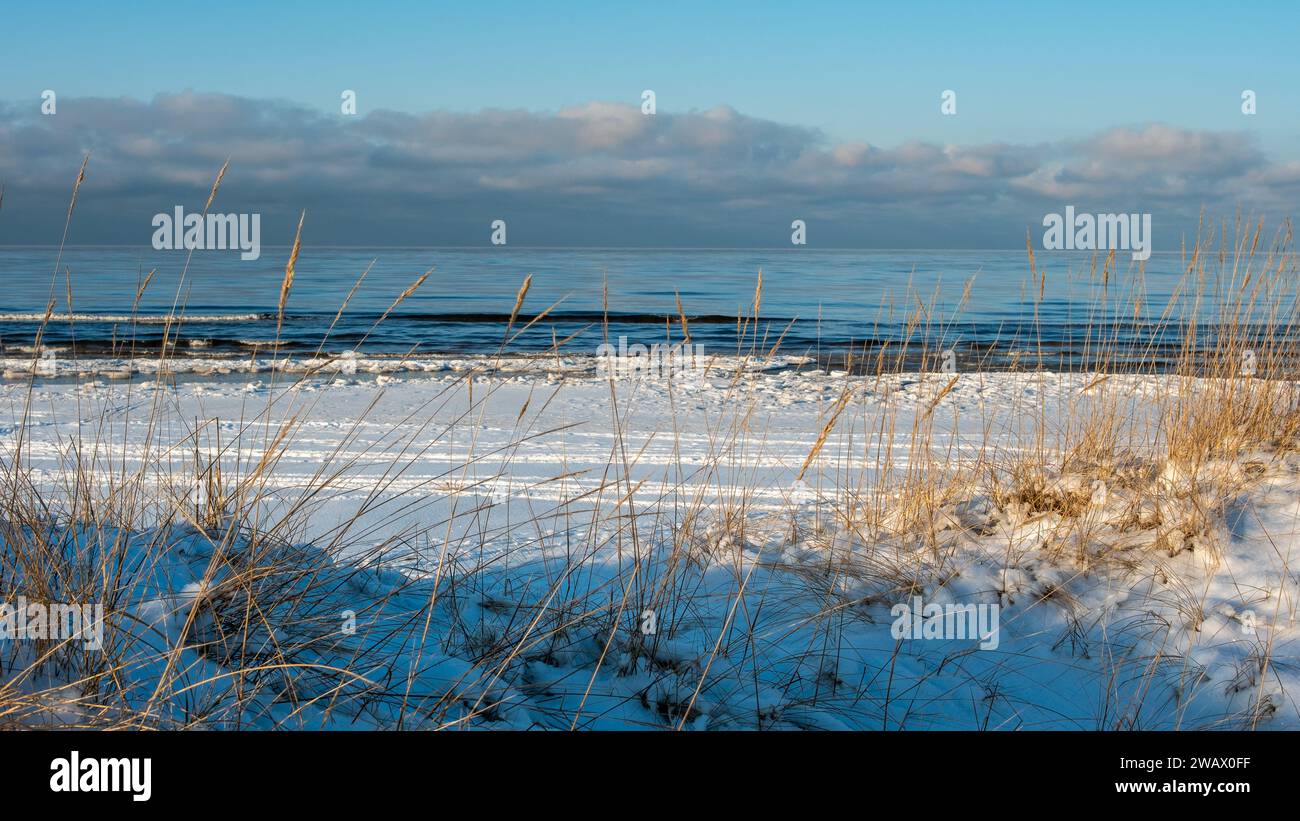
(500, 544)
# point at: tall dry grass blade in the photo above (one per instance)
(287, 283)
(934, 403)
(216, 184)
(836, 410)
(519, 302)
(76, 186)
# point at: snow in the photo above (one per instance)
(501, 533)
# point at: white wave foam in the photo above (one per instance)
(139, 319)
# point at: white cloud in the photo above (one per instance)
(605, 164)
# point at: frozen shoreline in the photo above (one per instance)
(521, 422)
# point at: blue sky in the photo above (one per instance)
(871, 71)
(1055, 81)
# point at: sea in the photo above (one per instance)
(1063, 310)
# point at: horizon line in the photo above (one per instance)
(587, 248)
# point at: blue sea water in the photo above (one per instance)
(819, 302)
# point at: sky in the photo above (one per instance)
(765, 112)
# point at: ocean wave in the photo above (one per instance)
(345, 362)
(141, 319)
(454, 318)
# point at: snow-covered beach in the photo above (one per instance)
(524, 543)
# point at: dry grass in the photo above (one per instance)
(896, 501)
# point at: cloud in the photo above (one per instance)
(593, 174)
